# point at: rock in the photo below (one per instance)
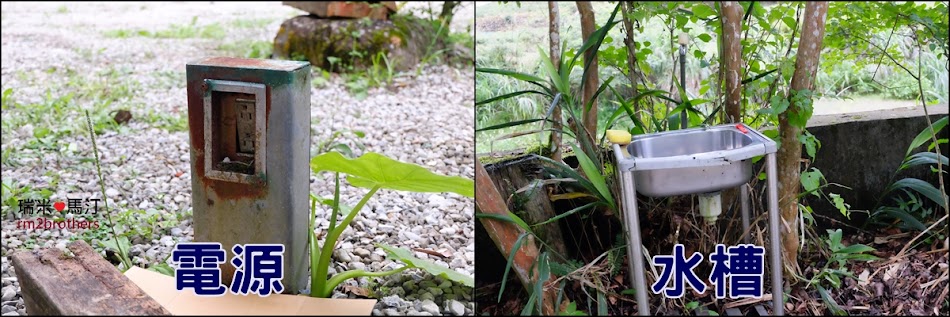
(177, 232)
(435, 291)
(135, 250)
(13, 313)
(363, 253)
(403, 40)
(455, 307)
(357, 266)
(386, 228)
(342, 255)
(393, 301)
(167, 241)
(412, 236)
(8, 294)
(7, 309)
(111, 193)
(427, 296)
(430, 307)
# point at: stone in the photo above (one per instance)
(455, 307)
(427, 296)
(363, 253)
(393, 301)
(167, 241)
(176, 232)
(430, 307)
(8, 294)
(404, 41)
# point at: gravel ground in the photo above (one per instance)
(58, 48)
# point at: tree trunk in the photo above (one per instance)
(591, 82)
(448, 11)
(628, 8)
(504, 234)
(732, 58)
(790, 152)
(554, 34)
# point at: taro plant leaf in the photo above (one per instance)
(593, 174)
(405, 256)
(375, 170)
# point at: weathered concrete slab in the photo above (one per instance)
(81, 283)
(863, 150)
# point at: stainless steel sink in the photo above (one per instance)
(696, 161)
(693, 161)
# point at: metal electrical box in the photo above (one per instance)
(249, 128)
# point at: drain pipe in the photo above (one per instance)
(684, 39)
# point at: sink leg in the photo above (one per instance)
(778, 305)
(634, 244)
(744, 199)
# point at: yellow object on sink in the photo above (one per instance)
(619, 137)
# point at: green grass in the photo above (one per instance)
(56, 115)
(252, 23)
(247, 48)
(174, 31)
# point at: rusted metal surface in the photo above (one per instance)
(269, 204)
(346, 9)
(221, 132)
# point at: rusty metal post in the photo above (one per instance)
(249, 128)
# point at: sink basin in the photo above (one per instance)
(692, 161)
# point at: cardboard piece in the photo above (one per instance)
(162, 288)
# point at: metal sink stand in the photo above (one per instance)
(628, 164)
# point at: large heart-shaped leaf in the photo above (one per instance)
(405, 256)
(376, 170)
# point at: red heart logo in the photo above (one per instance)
(59, 206)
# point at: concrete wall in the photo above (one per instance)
(863, 150)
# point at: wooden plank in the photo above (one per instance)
(54, 282)
(534, 203)
(504, 234)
